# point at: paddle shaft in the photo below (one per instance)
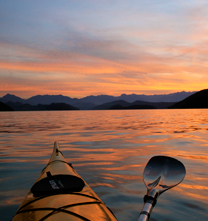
(146, 211)
(149, 202)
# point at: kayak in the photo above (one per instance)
(61, 194)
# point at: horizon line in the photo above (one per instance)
(98, 95)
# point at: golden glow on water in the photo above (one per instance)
(123, 176)
(197, 187)
(102, 184)
(196, 196)
(110, 149)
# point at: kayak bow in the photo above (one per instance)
(61, 194)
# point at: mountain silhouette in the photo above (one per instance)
(173, 97)
(131, 107)
(108, 105)
(49, 99)
(11, 97)
(121, 104)
(40, 107)
(91, 102)
(197, 100)
(5, 107)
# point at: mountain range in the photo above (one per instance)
(196, 100)
(58, 102)
(5, 107)
(121, 104)
(94, 102)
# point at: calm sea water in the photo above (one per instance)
(109, 149)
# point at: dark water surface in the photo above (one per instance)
(109, 149)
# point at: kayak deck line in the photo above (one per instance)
(78, 204)
(42, 197)
(56, 210)
(61, 209)
(61, 194)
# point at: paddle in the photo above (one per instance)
(160, 174)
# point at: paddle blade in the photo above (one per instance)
(162, 173)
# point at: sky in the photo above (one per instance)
(89, 47)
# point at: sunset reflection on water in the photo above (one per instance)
(109, 149)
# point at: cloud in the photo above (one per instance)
(124, 45)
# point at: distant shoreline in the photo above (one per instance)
(197, 100)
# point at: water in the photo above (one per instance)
(109, 149)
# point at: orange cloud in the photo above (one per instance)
(78, 74)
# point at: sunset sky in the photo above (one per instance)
(78, 48)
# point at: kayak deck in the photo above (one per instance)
(61, 194)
